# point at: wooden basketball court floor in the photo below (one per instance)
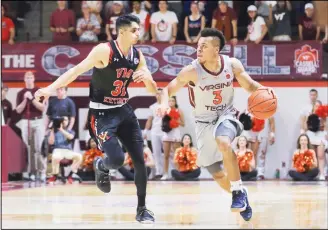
(200, 204)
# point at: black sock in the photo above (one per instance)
(141, 200)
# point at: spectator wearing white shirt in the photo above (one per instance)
(87, 27)
(154, 124)
(308, 109)
(164, 24)
(257, 28)
(144, 18)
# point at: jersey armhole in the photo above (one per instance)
(111, 53)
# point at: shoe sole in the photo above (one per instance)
(238, 209)
(146, 222)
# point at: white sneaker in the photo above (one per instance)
(322, 177)
(165, 177)
(43, 177)
(32, 177)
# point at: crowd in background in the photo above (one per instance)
(167, 147)
(169, 21)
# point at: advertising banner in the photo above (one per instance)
(268, 61)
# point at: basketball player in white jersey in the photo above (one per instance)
(210, 81)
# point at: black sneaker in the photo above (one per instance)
(145, 216)
(102, 177)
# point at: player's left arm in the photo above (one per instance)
(242, 76)
(142, 74)
(272, 130)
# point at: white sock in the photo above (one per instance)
(236, 185)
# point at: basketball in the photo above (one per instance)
(262, 103)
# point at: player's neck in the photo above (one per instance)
(29, 86)
(213, 66)
(124, 46)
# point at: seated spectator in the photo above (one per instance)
(6, 106)
(88, 26)
(279, 18)
(246, 160)
(193, 24)
(185, 159)
(307, 28)
(111, 23)
(164, 24)
(7, 29)
(62, 23)
(87, 172)
(61, 138)
(304, 161)
(127, 170)
(317, 136)
(225, 20)
(144, 18)
(257, 28)
(61, 106)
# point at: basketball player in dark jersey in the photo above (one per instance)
(115, 64)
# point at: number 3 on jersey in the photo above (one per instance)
(218, 98)
(119, 90)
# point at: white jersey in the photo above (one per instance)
(213, 94)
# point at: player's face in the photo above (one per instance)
(206, 51)
(242, 142)
(303, 141)
(132, 33)
(186, 140)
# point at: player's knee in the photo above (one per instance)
(114, 154)
(224, 143)
(215, 169)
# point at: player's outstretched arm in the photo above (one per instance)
(99, 53)
(242, 76)
(186, 75)
(142, 74)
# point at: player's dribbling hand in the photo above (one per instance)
(271, 91)
(43, 92)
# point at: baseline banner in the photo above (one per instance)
(301, 60)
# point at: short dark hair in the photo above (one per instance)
(126, 20)
(212, 32)
(314, 90)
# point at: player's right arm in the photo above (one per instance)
(186, 75)
(98, 56)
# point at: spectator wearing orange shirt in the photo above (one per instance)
(7, 29)
(225, 20)
(185, 159)
(246, 160)
(62, 23)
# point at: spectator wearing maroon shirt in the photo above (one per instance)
(225, 20)
(307, 28)
(62, 23)
(7, 28)
(32, 127)
(6, 105)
